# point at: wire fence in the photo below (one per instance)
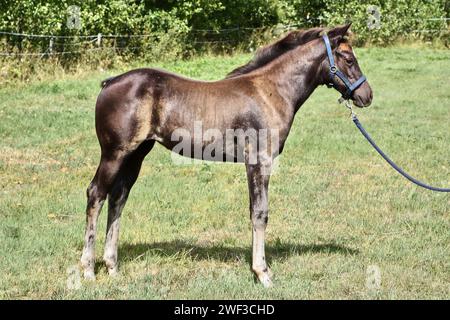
(115, 36)
(78, 44)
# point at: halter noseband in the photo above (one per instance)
(334, 71)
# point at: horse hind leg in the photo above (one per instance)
(117, 198)
(97, 191)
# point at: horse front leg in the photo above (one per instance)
(258, 182)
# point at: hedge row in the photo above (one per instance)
(185, 25)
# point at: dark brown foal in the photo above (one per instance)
(142, 106)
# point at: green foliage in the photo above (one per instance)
(403, 18)
(177, 28)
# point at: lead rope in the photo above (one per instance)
(385, 157)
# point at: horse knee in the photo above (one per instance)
(90, 190)
(94, 195)
(118, 193)
(260, 218)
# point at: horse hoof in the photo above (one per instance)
(89, 275)
(113, 272)
(265, 280)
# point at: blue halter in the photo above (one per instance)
(334, 71)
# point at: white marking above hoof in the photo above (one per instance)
(89, 275)
(113, 272)
(265, 280)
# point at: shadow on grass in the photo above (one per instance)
(274, 251)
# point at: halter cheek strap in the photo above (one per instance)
(334, 71)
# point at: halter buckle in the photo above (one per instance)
(333, 69)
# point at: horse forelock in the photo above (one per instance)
(272, 51)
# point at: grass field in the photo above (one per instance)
(337, 209)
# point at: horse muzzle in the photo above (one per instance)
(362, 97)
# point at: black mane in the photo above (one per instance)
(270, 52)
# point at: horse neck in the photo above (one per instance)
(299, 72)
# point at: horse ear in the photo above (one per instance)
(338, 34)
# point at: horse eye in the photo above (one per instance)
(349, 61)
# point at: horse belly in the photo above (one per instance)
(211, 145)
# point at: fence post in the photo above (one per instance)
(50, 46)
(99, 40)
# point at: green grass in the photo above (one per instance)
(336, 207)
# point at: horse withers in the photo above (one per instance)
(143, 106)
